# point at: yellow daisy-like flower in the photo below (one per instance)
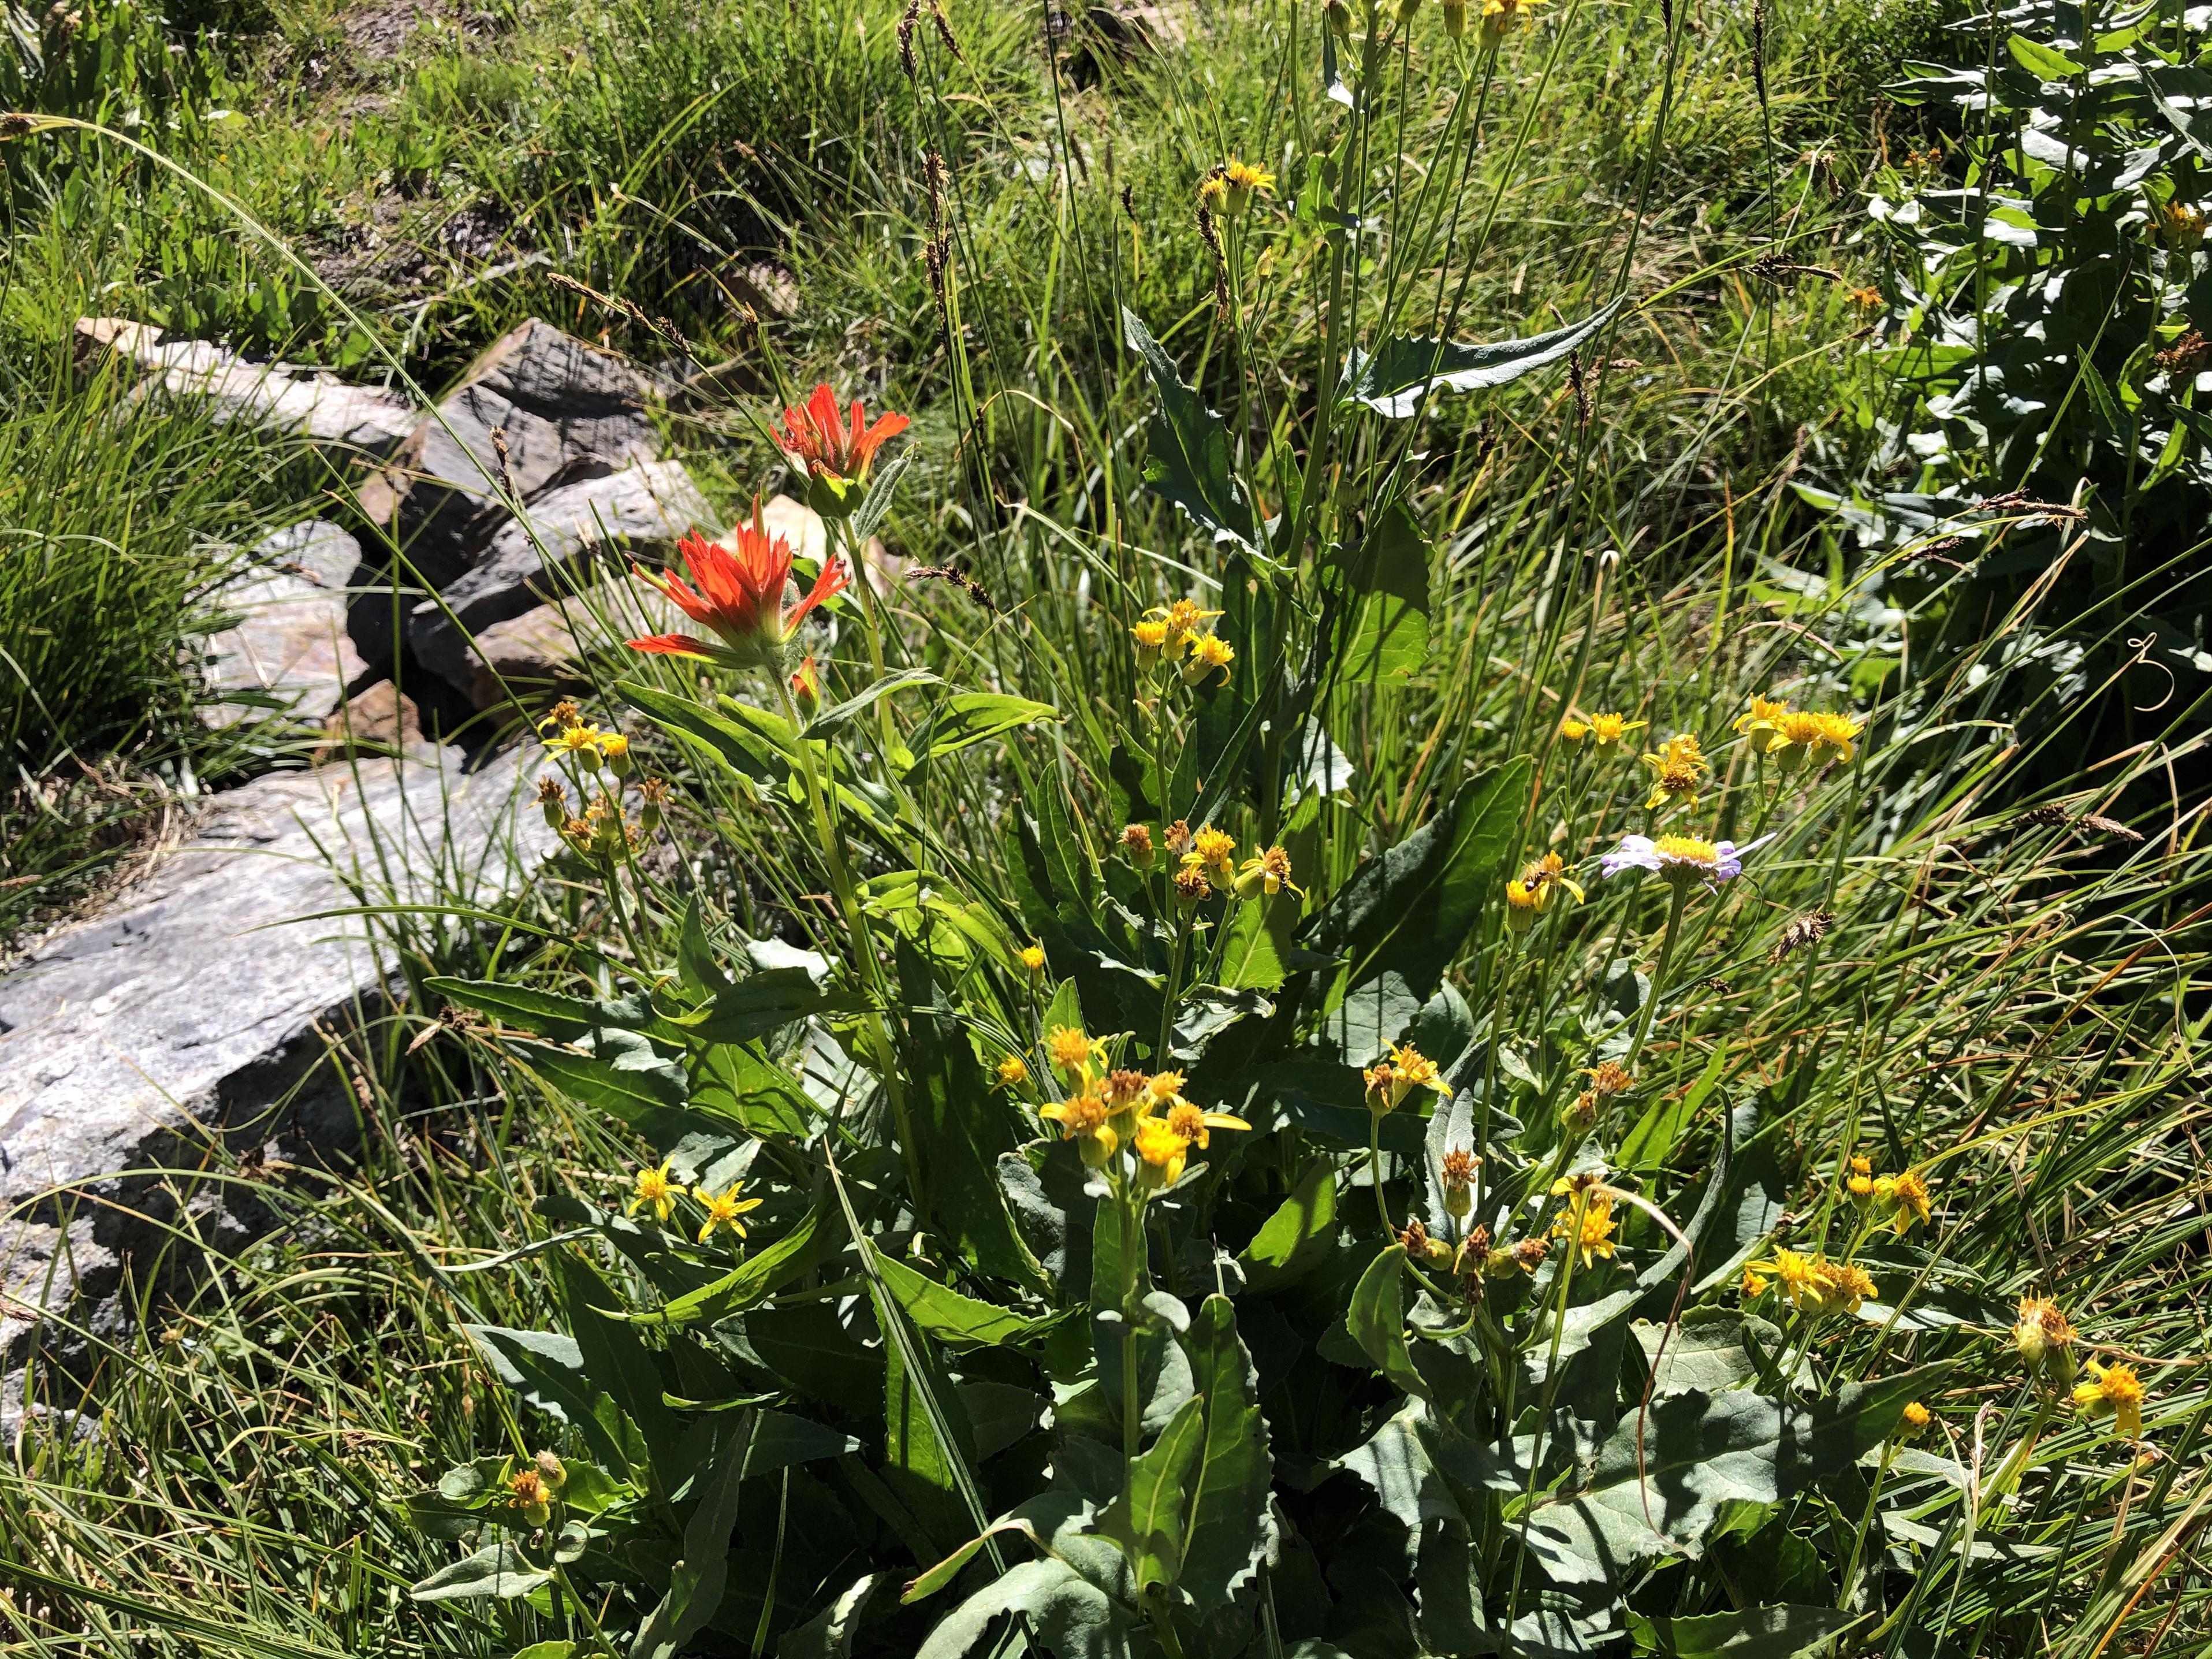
(1032, 956)
(1242, 182)
(1587, 1227)
(526, 1492)
(1522, 905)
(1906, 1197)
(657, 1188)
(1800, 737)
(1269, 873)
(1607, 730)
(1151, 640)
(1812, 1284)
(1389, 1081)
(1216, 852)
(1764, 712)
(1162, 1150)
(1197, 1126)
(580, 740)
(1755, 1285)
(1574, 730)
(1213, 192)
(2114, 1389)
(1013, 1071)
(723, 1209)
(1679, 768)
(1072, 1051)
(1084, 1118)
(1208, 652)
(1916, 1417)
(1501, 17)
(1541, 875)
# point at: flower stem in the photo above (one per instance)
(1680, 899)
(1375, 1173)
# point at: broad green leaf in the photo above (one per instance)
(1301, 1233)
(1646, 1145)
(1780, 1631)
(545, 1013)
(1706, 1352)
(1396, 380)
(775, 1440)
(696, 1581)
(2045, 62)
(695, 952)
(919, 1468)
(1147, 1520)
(1187, 459)
(838, 715)
(1230, 1526)
(627, 1079)
(957, 1320)
(1395, 1464)
(973, 717)
(546, 1370)
(752, 1278)
(2183, 94)
(497, 1569)
(829, 1633)
(765, 1001)
(1385, 579)
(1070, 1615)
(1376, 1320)
(555, 1649)
(752, 741)
(611, 1356)
(1258, 942)
(936, 1578)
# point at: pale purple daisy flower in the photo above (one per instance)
(1681, 858)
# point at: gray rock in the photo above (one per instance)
(204, 1005)
(281, 398)
(569, 412)
(290, 643)
(643, 510)
(542, 650)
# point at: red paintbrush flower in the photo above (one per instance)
(835, 448)
(740, 594)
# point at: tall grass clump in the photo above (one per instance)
(1384, 1014)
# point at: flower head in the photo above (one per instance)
(723, 1209)
(1587, 1226)
(2114, 1389)
(2044, 1337)
(835, 448)
(1607, 730)
(1197, 1125)
(2181, 226)
(1761, 716)
(1812, 1284)
(1268, 872)
(1389, 1081)
(1127, 1088)
(1137, 845)
(1906, 1197)
(1083, 1118)
(1161, 1150)
(1013, 1071)
(1681, 858)
(1073, 1051)
(657, 1188)
(1216, 851)
(1191, 886)
(1208, 652)
(1529, 895)
(1798, 736)
(1679, 768)
(1241, 182)
(526, 1492)
(1501, 17)
(1032, 958)
(579, 740)
(1915, 1417)
(1456, 1176)
(738, 593)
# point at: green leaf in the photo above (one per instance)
(1780, 1631)
(829, 1633)
(753, 741)
(973, 717)
(1259, 945)
(2045, 62)
(1385, 577)
(1397, 379)
(937, 1577)
(1188, 460)
(495, 1570)
(1300, 1234)
(752, 1278)
(610, 1354)
(1706, 1352)
(775, 1440)
(919, 1468)
(628, 1081)
(1416, 904)
(555, 1649)
(1230, 1526)
(548, 1013)
(957, 1320)
(1376, 1320)
(1646, 1145)
(1146, 1520)
(695, 1583)
(838, 715)
(1070, 1615)
(766, 1001)
(546, 1370)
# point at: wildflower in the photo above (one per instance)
(1126, 1088)
(1072, 1051)
(1137, 845)
(1454, 18)
(1082, 1118)
(1191, 886)
(1196, 1124)
(2044, 1337)
(1208, 652)
(1528, 1255)
(1812, 1284)
(806, 687)
(1801, 931)
(723, 1209)
(1916, 1417)
(613, 750)
(1608, 1078)
(835, 450)
(1032, 958)
(577, 741)
(563, 713)
(739, 595)
(1162, 1150)
(1501, 17)
(2186, 355)
(1213, 191)
(1523, 906)
(1458, 1181)
(1755, 1285)
(1151, 637)
(1241, 181)
(1800, 735)
(552, 801)
(1389, 1081)
(656, 1188)
(1850, 1285)
(2180, 226)
(1269, 873)
(1528, 894)
(1013, 1071)
(1178, 838)
(1574, 730)
(526, 1492)
(1677, 768)
(1588, 1226)
(2116, 1390)
(1906, 1198)
(1759, 721)
(1681, 858)
(1216, 851)
(652, 801)
(1607, 730)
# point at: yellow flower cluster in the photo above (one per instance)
(1903, 1200)
(1182, 634)
(1107, 1108)
(1529, 894)
(1206, 856)
(2045, 1337)
(1229, 189)
(1389, 1081)
(1602, 730)
(1679, 769)
(1812, 1283)
(576, 739)
(1798, 736)
(1587, 1224)
(602, 827)
(658, 1189)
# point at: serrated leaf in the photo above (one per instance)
(1396, 380)
(1147, 1520)
(1376, 1320)
(1229, 1525)
(1188, 458)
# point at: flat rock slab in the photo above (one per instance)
(289, 650)
(206, 1001)
(278, 398)
(543, 650)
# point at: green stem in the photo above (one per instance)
(583, 1610)
(1375, 1172)
(1132, 1279)
(1680, 899)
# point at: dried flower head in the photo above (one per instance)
(1801, 931)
